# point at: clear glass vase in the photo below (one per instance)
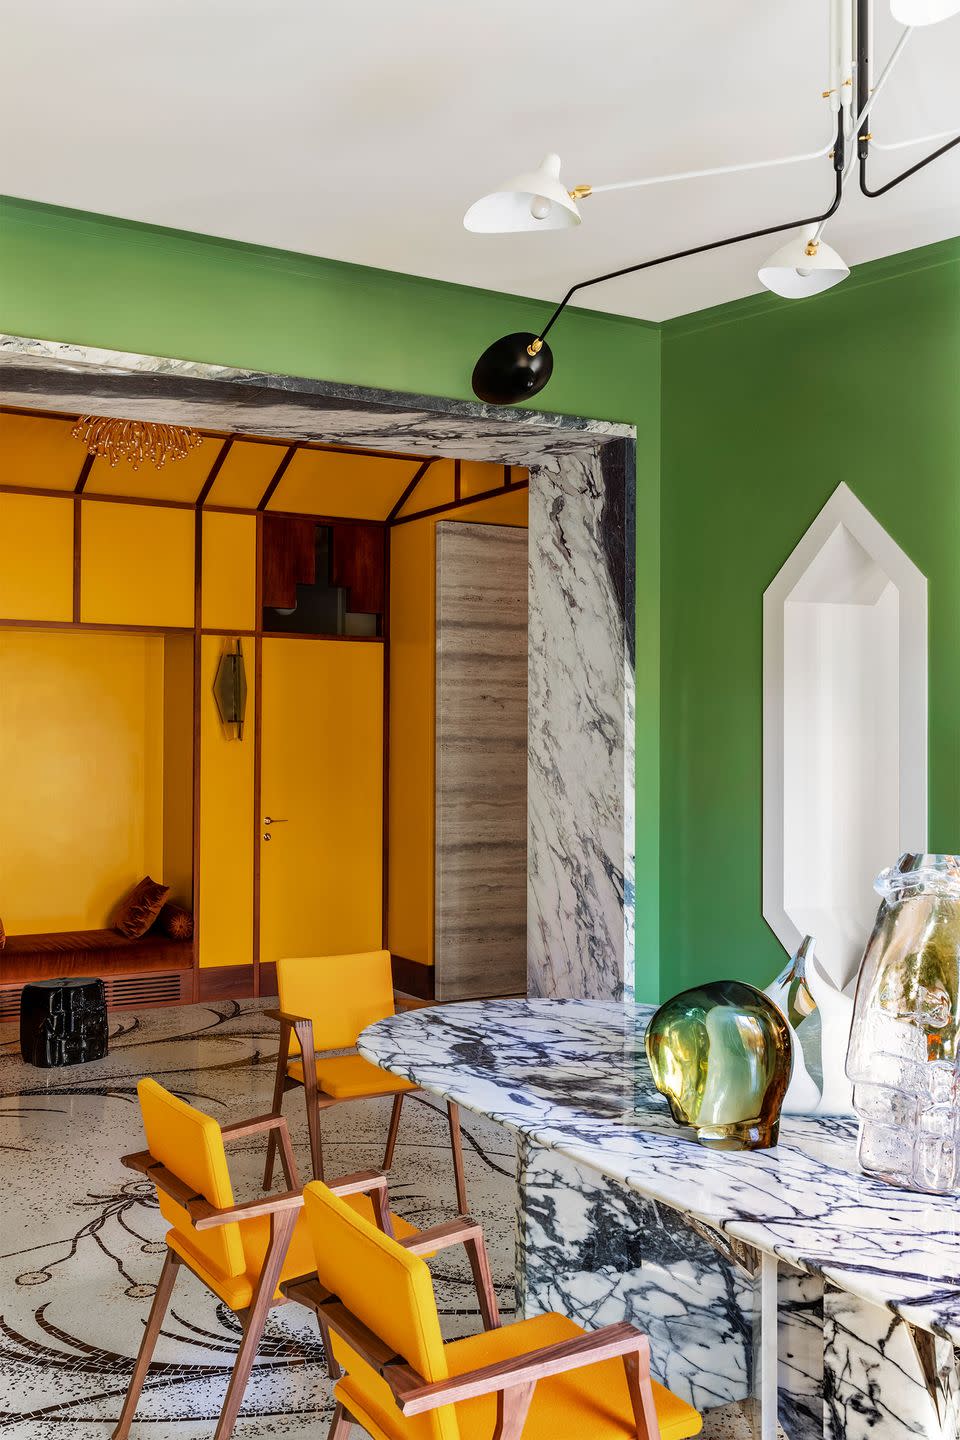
(903, 1051)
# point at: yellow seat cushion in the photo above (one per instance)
(350, 1077)
(237, 1291)
(592, 1403)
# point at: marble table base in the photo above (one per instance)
(846, 1369)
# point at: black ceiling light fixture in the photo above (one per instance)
(513, 368)
(518, 366)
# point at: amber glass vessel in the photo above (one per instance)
(721, 1054)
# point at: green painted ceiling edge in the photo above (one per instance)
(871, 272)
(292, 261)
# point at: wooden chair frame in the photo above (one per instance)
(512, 1380)
(282, 1210)
(318, 1100)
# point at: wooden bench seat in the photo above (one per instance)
(89, 952)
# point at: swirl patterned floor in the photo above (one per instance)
(81, 1238)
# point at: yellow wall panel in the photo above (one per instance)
(178, 767)
(322, 775)
(36, 558)
(228, 594)
(433, 488)
(411, 776)
(245, 474)
(175, 480)
(326, 482)
(81, 784)
(39, 452)
(510, 508)
(136, 564)
(226, 822)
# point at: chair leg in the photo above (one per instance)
(310, 1089)
(278, 1087)
(637, 1366)
(392, 1132)
(456, 1149)
(512, 1408)
(281, 1229)
(341, 1424)
(148, 1344)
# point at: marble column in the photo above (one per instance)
(580, 836)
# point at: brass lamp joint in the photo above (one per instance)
(580, 192)
(535, 346)
(811, 247)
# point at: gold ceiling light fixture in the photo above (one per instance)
(136, 441)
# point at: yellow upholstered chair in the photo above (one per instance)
(325, 1002)
(240, 1252)
(539, 1379)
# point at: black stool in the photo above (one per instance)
(63, 1022)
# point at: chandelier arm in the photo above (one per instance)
(914, 140)
(712, 244)
(865, 99)
(716, 170)
(904, 175)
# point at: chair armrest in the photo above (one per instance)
(206, 1216)
(467, 1232)
(146, 1164)
(286, 1017)
(442, 1237)
(140, 1160)
(414, 1397)
(367, 1345)
(241, 1128)
(364, 1182)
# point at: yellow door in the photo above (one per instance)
(321, 837)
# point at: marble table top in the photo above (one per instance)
(572, 1075)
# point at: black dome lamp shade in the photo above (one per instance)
(512, 369)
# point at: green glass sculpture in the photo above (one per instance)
(721, 1054)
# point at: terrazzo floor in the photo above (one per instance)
(81, 1239)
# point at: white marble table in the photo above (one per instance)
(621, 1212)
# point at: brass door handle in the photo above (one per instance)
(268, 821)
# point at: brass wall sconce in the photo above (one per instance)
(230, 689)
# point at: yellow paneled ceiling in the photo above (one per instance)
(38, 452)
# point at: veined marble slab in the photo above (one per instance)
(573, 1076)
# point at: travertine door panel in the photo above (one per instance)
(480, 919)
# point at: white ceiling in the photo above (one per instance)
(362, 131)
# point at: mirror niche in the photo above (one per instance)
(845, 730)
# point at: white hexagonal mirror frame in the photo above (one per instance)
(844, 729)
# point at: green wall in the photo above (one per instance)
(767, 406)
(92, 280)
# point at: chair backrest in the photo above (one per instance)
(190, 1145)
(389, 1291)
(341, 994)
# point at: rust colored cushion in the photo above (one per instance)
(175, 922)
(141, 907)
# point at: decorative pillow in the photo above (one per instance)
(175, 922)
(141, 907)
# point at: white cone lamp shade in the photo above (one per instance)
(794, 273)
(535, 200)
(924, 12)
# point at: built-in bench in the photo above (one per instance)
(153, 970)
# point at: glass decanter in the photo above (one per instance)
(903, 1052)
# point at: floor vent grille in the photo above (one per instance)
(124, 992)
